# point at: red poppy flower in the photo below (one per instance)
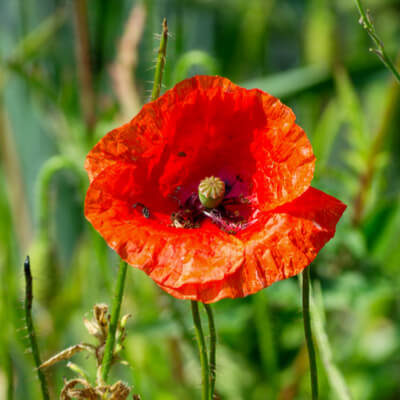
(143, 198)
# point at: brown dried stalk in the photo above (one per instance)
(82, 48)
(66, 354)
(122, 71)
(81, 388)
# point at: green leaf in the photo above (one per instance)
(294, 81)
(353, 113)
(325, 133)
(34, 42)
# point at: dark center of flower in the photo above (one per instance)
(212, 202)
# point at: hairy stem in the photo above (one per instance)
(115, 311)
(213, 348)
(202, 351)
(380, 51)
(160, 61)
(31, 331)
(308, 333)
(119, 288)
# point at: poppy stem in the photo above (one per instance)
(160, 61)
(202, 351)
(115, 310)
(31, 330)
(213, 348)
(308, 333)
(380, 50)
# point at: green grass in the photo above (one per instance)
(314, 55)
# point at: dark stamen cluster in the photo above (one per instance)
(192, 213)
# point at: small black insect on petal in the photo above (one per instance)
(239, 178)
(181, 154)
(145, 210)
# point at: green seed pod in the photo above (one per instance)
(211, 191)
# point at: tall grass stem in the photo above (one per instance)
(31, 330)
(380, 50)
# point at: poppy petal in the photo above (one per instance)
(142, 173)
(288, 241)
(170, 256)
(208, 126)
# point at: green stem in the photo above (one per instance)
(380, 51)
(115, 310)
(119, 288)
(30, 328)
(308, 333)
(46, 174)
(213, 348)
(202, 350)
(160, 61)
(100, 250)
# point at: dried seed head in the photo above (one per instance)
(119, 391)
(100, 314)
(211, 191)
(69, 391)
(93, 328)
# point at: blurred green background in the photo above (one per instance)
(72, 70)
